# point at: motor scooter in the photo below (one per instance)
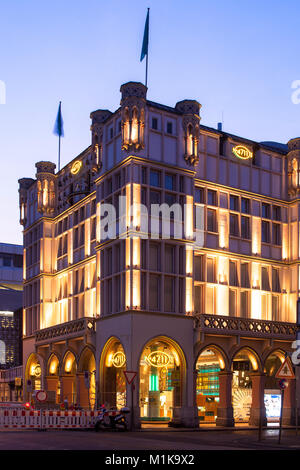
(114, 421)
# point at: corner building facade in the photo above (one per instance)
(204, 318)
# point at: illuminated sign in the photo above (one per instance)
(242, 152)
(158, 359)
(118, 359)
(36, 370)
(76, 167)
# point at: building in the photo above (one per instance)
(204, 314)
(11, 303)
(11, 264)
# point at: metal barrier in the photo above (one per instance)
(49, 419)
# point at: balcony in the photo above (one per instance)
(9, 375)
(66, 331)
(245, 327)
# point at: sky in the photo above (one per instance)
(237, 58)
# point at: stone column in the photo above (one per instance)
(225, 409)
(289, 404)
(82, 392)
(51, 386)
(67, 385)
(258, 405)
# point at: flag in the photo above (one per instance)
(145, 39)
(59, 124)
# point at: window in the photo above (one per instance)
(181, 184)
(109, 186)
(117, 180)
(265, 283)
(210, 300)
(144, 175)
(277, 213)
(199, 195)
(198, 268)
(169, 294)
(75, 238)
(233, 277)
(245, 209)
(275, 307)
(198, 299)
(93, 228)
(232, 302)
(6, 261)
(75, 220)
(265, 211)
(211, 220)
(93, 207)
(245, 304)
(276, 237)
(275, 280)
(154, 178)
(154, 292)
(170, 199)
(210, 266)
(234, 225)
(111, 132)
(154, 123)
(245, 275)
(234, 203)
(154, 197)
(144, 196)
(154, 257)
(264, 307)
(169, 182)
(265, 232)
(245, 227)
(109, 261)
(169, 259)
(169, 127)
(212, 197)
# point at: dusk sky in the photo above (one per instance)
(235, 57)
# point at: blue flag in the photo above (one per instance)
(59, 124)
(145, 39)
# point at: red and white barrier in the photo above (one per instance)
(49, 419)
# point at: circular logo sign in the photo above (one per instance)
(76, 167)
(118, 359)
(158, 359)
(41, 395)
(37, 371)
(242, 152)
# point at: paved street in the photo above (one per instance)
(146, 440)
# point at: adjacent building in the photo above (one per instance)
(11, 316)
(191, 280)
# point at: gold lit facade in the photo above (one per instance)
(201, 314)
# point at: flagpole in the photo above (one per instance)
(146, 80)
(59, 136)
(59, 153)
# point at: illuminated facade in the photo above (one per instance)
(202, 317)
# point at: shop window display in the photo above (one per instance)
(207, 386)
(114, 392)
(241, 387)
(272, 396)
(160, 381)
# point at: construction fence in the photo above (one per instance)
(49, 419)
